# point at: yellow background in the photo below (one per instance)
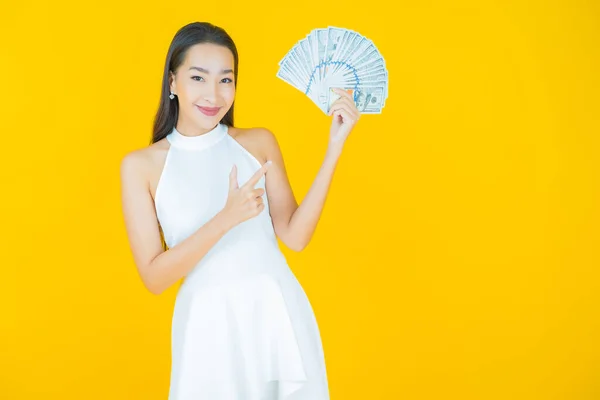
(458, 254)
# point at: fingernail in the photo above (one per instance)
(269, 162)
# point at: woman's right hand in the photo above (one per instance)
(244, 202)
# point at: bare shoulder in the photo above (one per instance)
(259, 141)
(145, 165)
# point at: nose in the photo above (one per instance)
(210, 93)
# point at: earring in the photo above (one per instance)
(171, 96)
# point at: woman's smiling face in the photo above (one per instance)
(204, 86)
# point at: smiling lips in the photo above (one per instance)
(210, 111)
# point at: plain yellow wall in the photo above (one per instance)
(457, 257)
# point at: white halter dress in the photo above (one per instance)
(243, 327)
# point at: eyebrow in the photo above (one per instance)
(225, 71)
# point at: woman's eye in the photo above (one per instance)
(228, 79)
(199, 77)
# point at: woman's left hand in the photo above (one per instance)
(345, 116)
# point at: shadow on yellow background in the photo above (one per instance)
(458, 254)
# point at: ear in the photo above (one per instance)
(172, 86)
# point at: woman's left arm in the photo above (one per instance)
(295, 224)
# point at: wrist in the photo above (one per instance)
(333, 153)
(223, 222)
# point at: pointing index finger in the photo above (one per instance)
(257, 175)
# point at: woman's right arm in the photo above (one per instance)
(157, 268)
(160, 269)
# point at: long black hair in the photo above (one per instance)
(186, 37)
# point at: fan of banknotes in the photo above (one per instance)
(335, 57)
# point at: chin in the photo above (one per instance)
(207, 122)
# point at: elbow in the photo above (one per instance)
(297, 246)
(152, 286)
(151, 278)
(154, 290)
